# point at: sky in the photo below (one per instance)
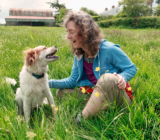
(96, 5)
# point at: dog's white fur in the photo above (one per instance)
(11, 81)
(32, 91)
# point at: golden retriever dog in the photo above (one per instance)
(34, 88)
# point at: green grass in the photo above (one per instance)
(142, 121)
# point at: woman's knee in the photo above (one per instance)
(108, 84)
(107, 81)
(59, 93)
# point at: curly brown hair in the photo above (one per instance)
(89, 33)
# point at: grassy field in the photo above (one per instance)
(142, 121)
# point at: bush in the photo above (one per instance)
(118, 22)
(110, 23)
(102, 24)
(128, 22)
(157, 24)
(124, 15)
(105, 17)
(146, 22)
(142, 22)
(96, 18)
(121, 14)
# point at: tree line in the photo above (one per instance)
(136, 8)
(130, 8)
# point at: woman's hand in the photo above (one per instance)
(121, 81)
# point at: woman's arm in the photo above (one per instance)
(122, 62)
(69, 82)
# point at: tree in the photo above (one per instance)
(90, 12)
(135, 8)
(150, 3)
(56, 5)
(61, 9)
(157, 10)
(62, 13)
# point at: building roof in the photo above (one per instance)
(30, 12)
(30, 15)
(30, 18)
(110, 11)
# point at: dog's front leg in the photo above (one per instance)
(27, 109)
(51, 101)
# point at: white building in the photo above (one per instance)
(117, 9)
(113, 11)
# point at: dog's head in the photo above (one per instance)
(41, 55)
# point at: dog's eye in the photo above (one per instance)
(45, 48)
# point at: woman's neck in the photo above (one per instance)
(88, 55)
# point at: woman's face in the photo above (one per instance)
(72, 35)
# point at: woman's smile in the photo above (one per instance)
(73, 34)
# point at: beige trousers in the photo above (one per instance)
(107, 87)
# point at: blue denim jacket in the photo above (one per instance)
(109, 59)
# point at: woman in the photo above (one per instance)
(98, 63)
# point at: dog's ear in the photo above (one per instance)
(31, 57)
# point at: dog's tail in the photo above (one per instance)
(11, 81)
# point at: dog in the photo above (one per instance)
(34, 88)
